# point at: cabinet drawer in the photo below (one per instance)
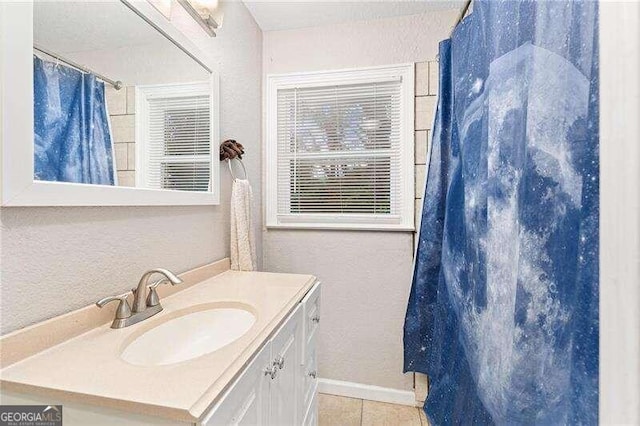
(311, 307)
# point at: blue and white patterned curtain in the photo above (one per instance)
(503, 311)
(72, 139)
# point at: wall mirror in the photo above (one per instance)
(121, 108)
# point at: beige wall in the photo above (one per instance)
(366, 275)
(58, 259)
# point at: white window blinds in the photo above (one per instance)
(340, 153)
(178, 139)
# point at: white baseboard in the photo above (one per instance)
(368, 392)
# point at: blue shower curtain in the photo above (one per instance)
(503, 310)
(72, 141)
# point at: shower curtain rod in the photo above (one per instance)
(461, 15)
(117, 84)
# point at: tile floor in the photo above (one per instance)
(340, 411)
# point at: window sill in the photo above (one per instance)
(341, 227)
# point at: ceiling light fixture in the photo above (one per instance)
(207, 13)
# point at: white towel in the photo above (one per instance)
(243, 245)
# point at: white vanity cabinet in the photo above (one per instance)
(279, 385)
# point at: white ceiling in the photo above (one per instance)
(283, 15)
(76, 26)
(110, 39)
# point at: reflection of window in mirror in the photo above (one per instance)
(173, 137)
(87, 126)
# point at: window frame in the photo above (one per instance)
(146, 92)
(371, 222)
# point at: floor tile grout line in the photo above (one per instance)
(415, 409)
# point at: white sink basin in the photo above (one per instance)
(188, 336)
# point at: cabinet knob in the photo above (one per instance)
(279, 362)
(316, 319)
(313, 374)
(271, 371)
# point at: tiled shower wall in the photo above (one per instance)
(426, 91)
(121, 105)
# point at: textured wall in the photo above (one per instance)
(366, 275)
(366, 278)
(58, 259)
(412, 38)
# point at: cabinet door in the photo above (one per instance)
(247, 402)
(286, 350)
(311, 306)
(309, 369)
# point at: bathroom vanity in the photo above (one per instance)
(284, 367)
(164, 371)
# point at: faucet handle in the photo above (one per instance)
(152, 298)
(123, 311)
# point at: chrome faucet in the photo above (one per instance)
(144, 305)
(141, 301)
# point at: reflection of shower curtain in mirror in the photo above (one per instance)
(503, 312)
(72, 140)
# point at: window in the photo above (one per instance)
(174, 132)
(340, 149)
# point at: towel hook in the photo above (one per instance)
(244, 169)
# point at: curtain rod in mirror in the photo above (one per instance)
(115, 83)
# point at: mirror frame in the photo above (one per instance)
(18, 186)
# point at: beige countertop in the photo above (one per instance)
(88, 369)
